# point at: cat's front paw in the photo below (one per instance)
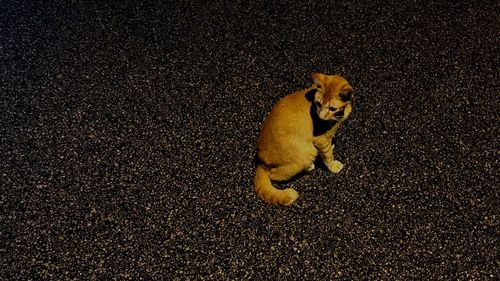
(335, 167)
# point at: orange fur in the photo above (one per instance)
(299, 128)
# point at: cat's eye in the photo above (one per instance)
(332, 108)
(345, 97)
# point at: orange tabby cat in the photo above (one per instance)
(299, 127)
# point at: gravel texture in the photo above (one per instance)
(128, 140)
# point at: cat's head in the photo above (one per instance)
(333, 97)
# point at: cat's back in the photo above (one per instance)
(290, 109)
(289, 121)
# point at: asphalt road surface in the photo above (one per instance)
(128, 137)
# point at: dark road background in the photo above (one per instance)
(128, 137)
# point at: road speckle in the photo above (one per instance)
(128, 133)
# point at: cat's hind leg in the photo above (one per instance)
(310, 167)
(286, 172)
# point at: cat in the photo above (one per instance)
(299, 127)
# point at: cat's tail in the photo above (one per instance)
(269, 193)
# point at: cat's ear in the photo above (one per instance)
(319, 78)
